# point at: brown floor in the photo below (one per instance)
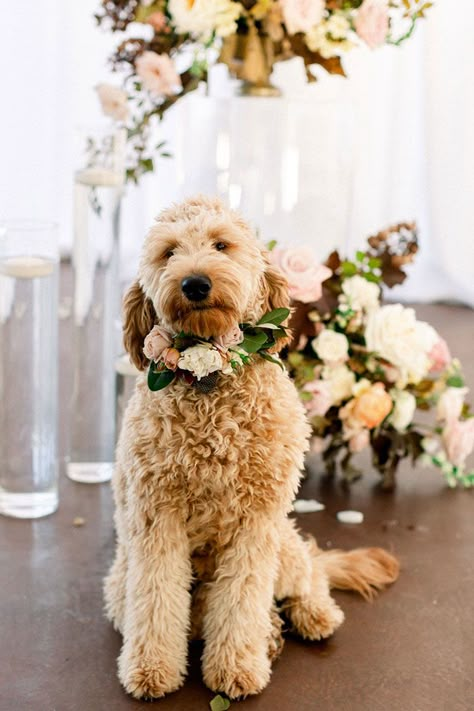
(412, 650)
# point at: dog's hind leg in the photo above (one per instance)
(115, 582)
(303, 586)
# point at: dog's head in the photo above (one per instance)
(202, 271)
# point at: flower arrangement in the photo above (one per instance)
(199, 361)
(365, 370)
(176, 40)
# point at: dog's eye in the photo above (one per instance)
(169, 253)
(220, 246)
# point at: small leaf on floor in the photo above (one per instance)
(219, 703)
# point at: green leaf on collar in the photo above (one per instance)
(253, 342)
(159, 379)
(267, 356)
(276, 317)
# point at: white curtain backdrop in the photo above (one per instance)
(412, 123)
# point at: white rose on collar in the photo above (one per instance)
(201, 360)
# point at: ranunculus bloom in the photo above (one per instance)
(371, 22)
(450, 404)
(458, 440)
(439, 356)
(322, 397)
(158, 73)
(305, 275)
(359, 441)
(330, 346)
(372, 406)
(170, 358)
(113, 101)
(158, 21)
(155, 343)
(230, 339)
(301, 15)
(394, 333)
(404, 406)
(201, 360)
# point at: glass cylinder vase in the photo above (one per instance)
(28, 368)
(98, 189)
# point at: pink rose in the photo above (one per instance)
(304, 274)
(458, 439)
(170, 357)
(371, 22)
(439, 356)
(301, 15)
(158, 73)
(155, 343)
(318, 445)
(359, 441)
(450, 404)
(230, 339)
(322, 398)
(158, 21)
(113, 101)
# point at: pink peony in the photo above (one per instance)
(458, 439)
(371, 22)
(322, 398)
(305, 276)
(158, 73)
(301, 15)
(158, 21)
(359, 441)
(155, 343)
(439, 356)
(230, 339)
(113, 101)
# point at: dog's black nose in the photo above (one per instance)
(196, 288)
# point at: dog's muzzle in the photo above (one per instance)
(196, 287)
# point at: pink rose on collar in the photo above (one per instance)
(230, 339)
(157, 340)
(305, 275)
(371, 22)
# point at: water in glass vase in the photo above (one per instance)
(28, 386)
(96, 313)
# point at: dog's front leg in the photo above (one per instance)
(237, 624)
(157, 603)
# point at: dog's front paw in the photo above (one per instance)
(313, 620)
(237, 675)
(147, 677)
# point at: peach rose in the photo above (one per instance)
(439, 356)
(458, 440)
(322, 398)
(359, 441)
(371, 22)
(301, 15)
(170, 357)
(158, 73)
(155, 343)
(158, 21)
(230, 339)
(372, 406)
(113, 101)
(305, 275)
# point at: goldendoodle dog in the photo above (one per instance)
(205, 478)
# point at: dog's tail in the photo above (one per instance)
(364, 570)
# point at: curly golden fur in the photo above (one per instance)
(204, 482)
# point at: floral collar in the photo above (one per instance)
(199, 361)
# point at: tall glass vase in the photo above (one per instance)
(98, 189)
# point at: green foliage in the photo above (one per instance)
(219, 703)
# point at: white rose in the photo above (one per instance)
(330, 37)
(341, 381)
(404, 406)
(450, 404)
(202, 17)
(361, 295)
(200, 360)
(394, 334)
(331, 346)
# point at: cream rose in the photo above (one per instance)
(305, 275)
(113, 101)
(201, 360)
(158, 73)
(330, 346)
(203, 17)
(404, 406)
(393, 333)
(341, 381)
(155, 343)
(450, 404)
(361, 295)
(301, 15)
(330, 37)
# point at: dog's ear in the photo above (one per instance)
(277, 296)
(138, 320)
